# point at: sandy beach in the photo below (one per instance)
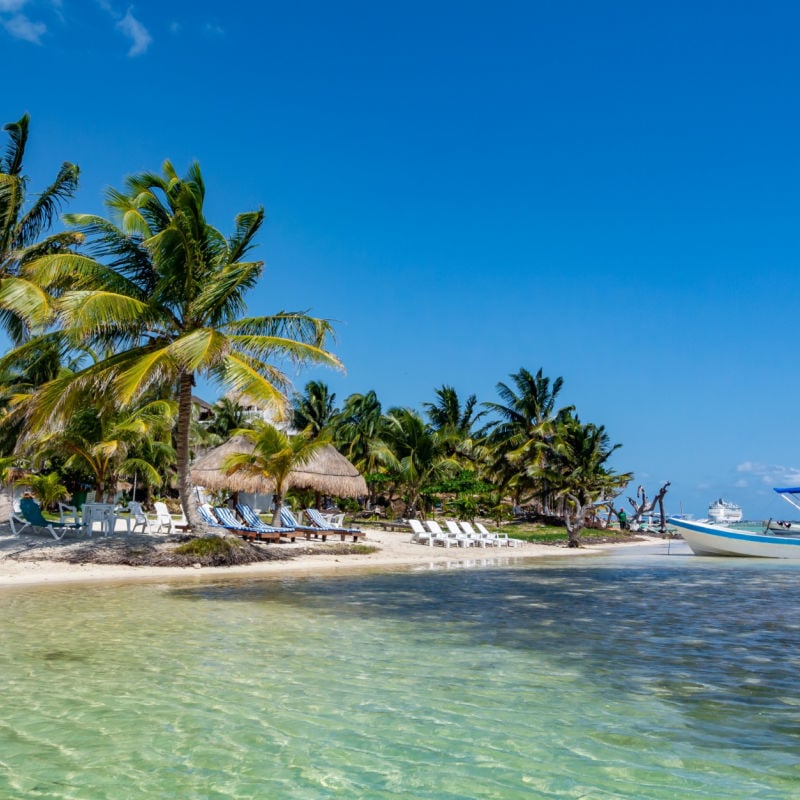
(36, 559)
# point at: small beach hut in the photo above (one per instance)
(328, 472)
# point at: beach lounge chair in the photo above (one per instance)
(288, 521)
(503, 538)
(442, 537)
(316, 519)
(209, 516)
(463, 540)
(31, 515)
(229, 521)
(248, 514)
(484, 539)
(419, 535)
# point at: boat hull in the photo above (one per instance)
(713, 540)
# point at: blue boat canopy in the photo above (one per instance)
(789, 490)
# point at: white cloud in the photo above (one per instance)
(741, 484)
(20, 27)
(771, 474)
(138, 34)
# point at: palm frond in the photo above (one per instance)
(25, 301)
(41, 214)
(247, 226)
(15, 149)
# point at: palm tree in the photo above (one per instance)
(577, 471)
(167, 291)
(104, 440)
(519, 440)
(274, 455)
(359, 432)
(228, 416)
(315, 409)
(420, 454)
(48, 488)
(21, 227)
(447, 412)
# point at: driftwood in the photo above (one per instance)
(642, 506)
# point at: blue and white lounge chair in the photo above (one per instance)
(229, 521)
(317, 521)
(252, 519)
(31, 516)
(288, 521)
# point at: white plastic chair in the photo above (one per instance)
(163, 518)
(418, 534)
(139, 518)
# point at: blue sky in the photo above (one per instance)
(605, 190)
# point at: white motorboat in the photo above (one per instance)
(724, 513)
(708, 539)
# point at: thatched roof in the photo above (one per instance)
(328, 472)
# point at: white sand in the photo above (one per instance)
(394, 550)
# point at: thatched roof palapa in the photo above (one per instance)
(328, 472)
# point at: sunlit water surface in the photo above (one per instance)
(629, 676)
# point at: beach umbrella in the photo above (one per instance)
(328, 472)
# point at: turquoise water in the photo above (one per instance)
(631, 676)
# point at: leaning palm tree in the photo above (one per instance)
(167, 291)
(22, 224)
(578, 473)
(274, 455)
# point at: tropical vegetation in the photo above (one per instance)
(113, 321)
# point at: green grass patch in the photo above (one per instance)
(362, 549)
(213, 547)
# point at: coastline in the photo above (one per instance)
(394, 550)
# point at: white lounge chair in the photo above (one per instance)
(503, 538)
(485, 539)
(455, 533)
(418, 534)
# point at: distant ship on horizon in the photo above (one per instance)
(723, 512)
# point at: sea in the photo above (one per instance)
(644, 673)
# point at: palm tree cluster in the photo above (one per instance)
(522, 450)
(114, 319)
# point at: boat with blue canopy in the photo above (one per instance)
(777, 540)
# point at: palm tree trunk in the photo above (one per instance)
(277, 499)
(185, 384)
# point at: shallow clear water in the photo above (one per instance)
(635, 676)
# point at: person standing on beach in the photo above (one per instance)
(623, 520)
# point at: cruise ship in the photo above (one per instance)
(723, 512)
